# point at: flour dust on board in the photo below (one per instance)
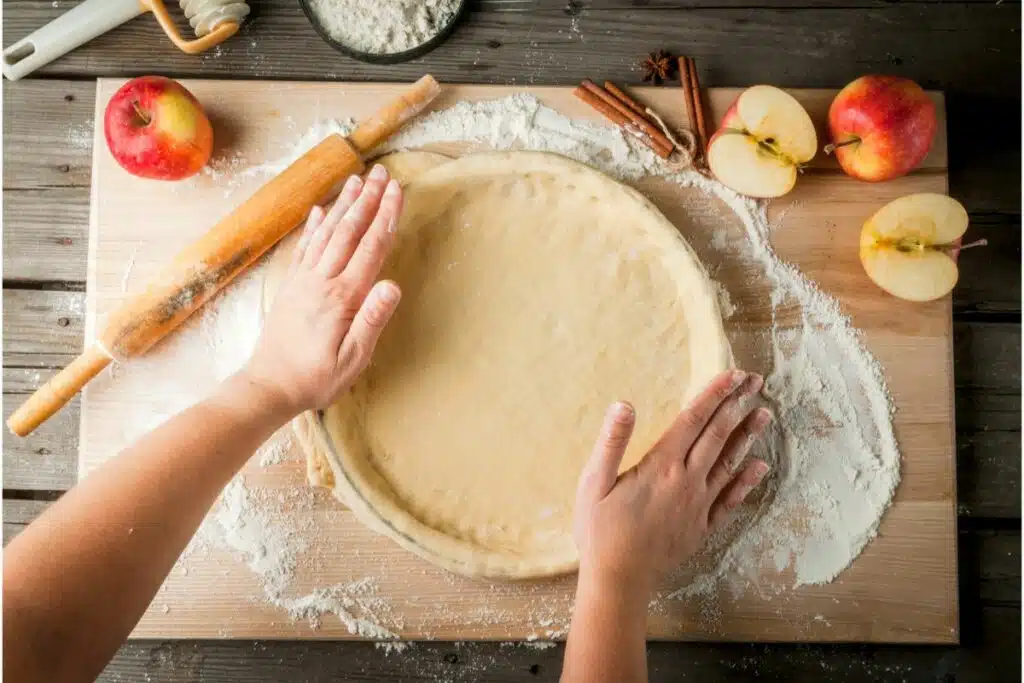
(835, 461)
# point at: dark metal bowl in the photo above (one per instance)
(391, 57)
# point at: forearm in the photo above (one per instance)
(78, 579)
(607, 636)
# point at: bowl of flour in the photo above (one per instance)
(384, 31)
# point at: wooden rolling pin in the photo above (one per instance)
(206, 266)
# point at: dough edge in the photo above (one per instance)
(328, 467)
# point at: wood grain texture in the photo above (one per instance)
(45, 460)
(993, 565)
(554, 42)
(544, 44)
(47, 220)
(18, 514)
(48, 126)
(816, 227)
(984, 172)
(46, 234)
(41, 323)
(42, 332)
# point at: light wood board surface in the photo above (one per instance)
(901, 589)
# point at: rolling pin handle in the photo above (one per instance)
(61, 388)
(393, 116)
(75, 27)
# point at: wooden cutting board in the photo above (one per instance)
(903, 588)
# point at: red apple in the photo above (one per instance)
(881, 126)
(157, 129)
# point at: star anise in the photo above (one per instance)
(658, 66)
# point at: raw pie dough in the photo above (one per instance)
(536, 291)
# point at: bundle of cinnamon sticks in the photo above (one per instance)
(621, 109)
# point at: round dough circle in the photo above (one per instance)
(536, 291)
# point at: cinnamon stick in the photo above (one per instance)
(626, 99)
(698, 104)
(691, 106)
(607, 110)
(661, 145)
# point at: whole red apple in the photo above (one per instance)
(881, 127)
(157, 129)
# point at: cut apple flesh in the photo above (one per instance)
(914, 276)
(905, 247)
(765, 137)
(775, 117)
(742, 163)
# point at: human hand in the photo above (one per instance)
(330, 310)
(632, 528)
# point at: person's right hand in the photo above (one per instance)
(330, 309)
(632, 528)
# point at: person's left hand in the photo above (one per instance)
(330, 309)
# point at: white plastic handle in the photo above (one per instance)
(81, 24)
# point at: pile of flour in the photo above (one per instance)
(383, 26)
(834, 454)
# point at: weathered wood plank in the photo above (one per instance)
(990, 281)
(988, 419)
(998, 556)
(42, 322)
(48, 128)
(47, 459)
(18, 514)
(42, 332)
(987, 410)
(987, 356)
(998, 633)
(547, 44)
(988, 474)
(553, 42)
(46, 233)
(990, 570)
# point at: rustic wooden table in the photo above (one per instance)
(970, 50)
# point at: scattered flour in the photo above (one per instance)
(725, 305)
(276, 449)
(384, 26)
(522, 122)
(81, 136)
(307, 141)
(391, 647)
(834, 454)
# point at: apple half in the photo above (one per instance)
(909, 246)
(764, 139)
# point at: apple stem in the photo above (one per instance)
(976, 243)
(836, 145)
(141, 114)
